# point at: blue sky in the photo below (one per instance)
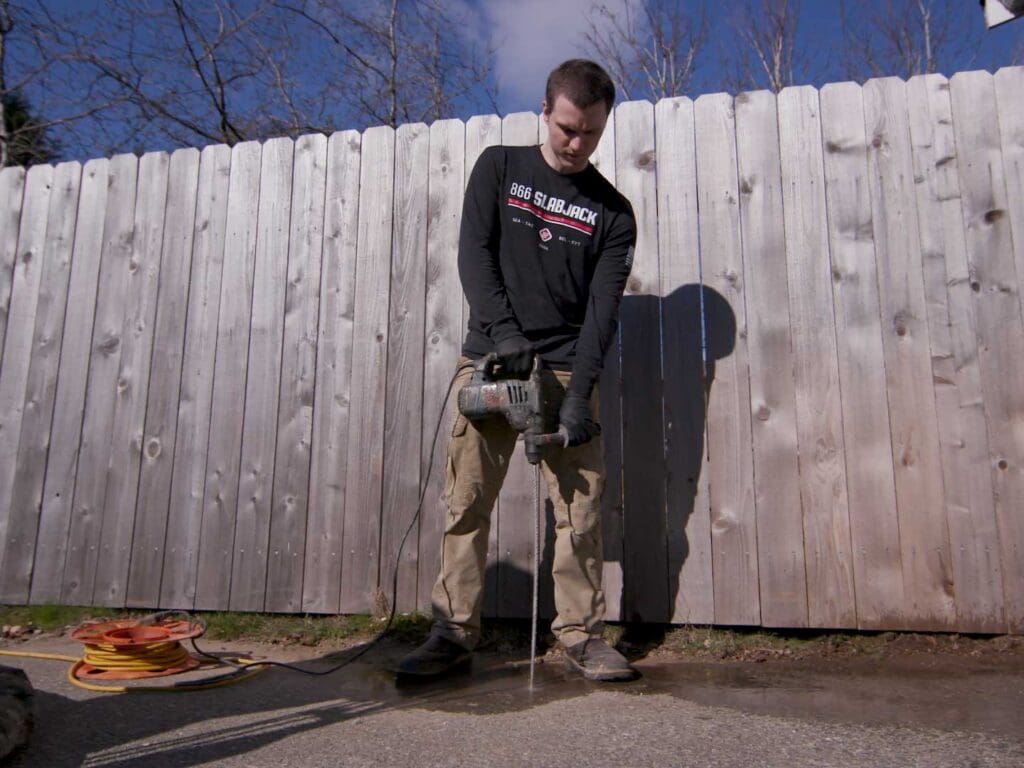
(530, 37)
(533, 36)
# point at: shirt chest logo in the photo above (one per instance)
(552, 210)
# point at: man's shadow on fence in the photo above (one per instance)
(653, 480)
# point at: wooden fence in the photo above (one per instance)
(222, 370)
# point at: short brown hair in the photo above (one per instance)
(583, 82)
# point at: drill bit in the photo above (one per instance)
(536, 568)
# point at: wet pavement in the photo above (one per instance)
(921, 710)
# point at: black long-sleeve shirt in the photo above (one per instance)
(545, 256)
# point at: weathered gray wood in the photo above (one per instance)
(1009, 82)
(924, 535)
(822, 466)
(645, 567)
(403, 425)
(84, 537)
(288, 519)
(874, 528)
(66, 429)
(133, 376)
(220, 494)
(158, 439)
(952, 327)
(691, 583)
(333, 395)
(610, 419)
(996, 287)
(780, 553)
(480, 132)
(516, 503)
(730, 464)
(263, 384)
(12, 188)
(180, 555)
(21, 318)
(360, 566)
(22, 498)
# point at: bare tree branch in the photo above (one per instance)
(651, 51)
(907, 37)
(766, 54)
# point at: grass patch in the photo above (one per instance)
(56, 618)
(226, 626)
(512, 637)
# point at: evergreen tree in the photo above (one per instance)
(26, 138)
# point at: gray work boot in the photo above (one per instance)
(596, 660)
(437, 656)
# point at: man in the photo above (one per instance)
(545, 248)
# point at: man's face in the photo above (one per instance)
(573, 133)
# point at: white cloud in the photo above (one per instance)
(532, 37)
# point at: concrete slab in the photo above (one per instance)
(916, 711)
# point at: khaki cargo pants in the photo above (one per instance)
(478, 458)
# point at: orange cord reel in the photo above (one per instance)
(134, 650)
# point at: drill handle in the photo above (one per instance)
(534, 444)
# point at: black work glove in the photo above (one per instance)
(579, 423)
(515, 356)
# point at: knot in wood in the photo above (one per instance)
(646, 160)
(109, 345)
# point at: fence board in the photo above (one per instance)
(610, 419)
(158, 438)
(180, 550)
(952, 327)
(332, 396)
(480, 132)
(516, 504)
(403, 426)
(730, 466)
(645, 567)
(21, 318)
(25, 500)
(133, 376)
(1000, 330)
(289, 510)
(12, 188)
(822, 468)
(103, 391)
(1009, 83)
(59, 483)
(231, 363)
(360, 569)
(691, 583)
(263, 384)
(874, 530)
(17, 387)
(780, 552)
(924, 536)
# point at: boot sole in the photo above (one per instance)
(460, 664)
(601, 676)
